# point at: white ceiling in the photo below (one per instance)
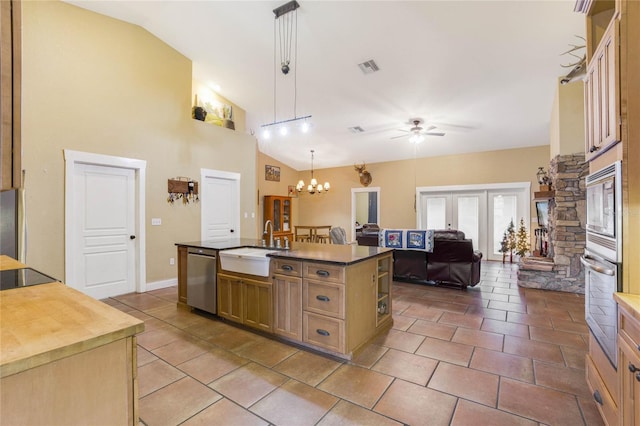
(483, 72)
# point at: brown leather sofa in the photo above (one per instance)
(453, 262)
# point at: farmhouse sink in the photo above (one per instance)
(246, 260)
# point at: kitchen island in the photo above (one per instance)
(331, 298)
(65, 358)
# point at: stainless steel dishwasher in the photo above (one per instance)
(201, 279)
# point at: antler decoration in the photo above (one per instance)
(365, 176)
(578, 67)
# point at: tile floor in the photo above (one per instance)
(492, 355)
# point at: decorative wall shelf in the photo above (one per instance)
(543, 195)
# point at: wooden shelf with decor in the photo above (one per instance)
(278, 210)
(544, 195)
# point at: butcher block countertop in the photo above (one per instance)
(43, 323)
(631, 302)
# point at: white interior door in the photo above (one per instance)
(220, 205)
(104, 206)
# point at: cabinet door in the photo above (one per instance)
(182, 274)
(590, 108)
(288, 306)
(258, 304)
(630, 378)
(610, 109)
(230, 304)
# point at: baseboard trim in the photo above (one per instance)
(157, 285)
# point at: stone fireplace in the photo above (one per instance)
(567, 232)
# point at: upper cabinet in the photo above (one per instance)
(602, 93)
(10, 84)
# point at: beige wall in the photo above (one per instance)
(397, 181)
(99, 85)
(567, 120)
(288, 177)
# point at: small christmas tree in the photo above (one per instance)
(522, 239)
(504, 245)
(511, 239)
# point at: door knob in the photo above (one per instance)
(132, 237)
(633, 368)
(231, 231)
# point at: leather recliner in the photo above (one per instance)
(453, 262)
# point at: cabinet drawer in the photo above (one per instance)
(323, 298)
(629, 328)
(324, 272)
(605, 403)
(324, 332)
(287, 267)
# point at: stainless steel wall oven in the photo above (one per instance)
(603, 256)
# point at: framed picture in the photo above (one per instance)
(272, 173)
(292, 192)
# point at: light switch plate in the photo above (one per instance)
(156, 221)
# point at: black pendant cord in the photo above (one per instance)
(275, 24)
(295, 71)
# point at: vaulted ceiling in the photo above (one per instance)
(483, 72)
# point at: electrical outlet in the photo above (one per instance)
(172, 261)
(156, 221)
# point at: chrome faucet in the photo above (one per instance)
(266, 224)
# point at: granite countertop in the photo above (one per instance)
(330, 253)
(43, 323)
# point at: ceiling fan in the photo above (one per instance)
(417, 133)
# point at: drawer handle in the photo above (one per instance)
(323, 273)
(322, 298)
(323, 332)
(287, 268)
(597, 397)
(633, 368)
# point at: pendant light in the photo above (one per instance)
(313, 186)
(286, 29)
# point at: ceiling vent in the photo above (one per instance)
(356, 129)
(368, 67)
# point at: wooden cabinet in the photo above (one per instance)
(603, 382)
(342, 306)
(277, 209)
(629, 365)
(10, 90)
(246, 299)
(287, 298)
(383, 290)
(602, 94)
(182, 275)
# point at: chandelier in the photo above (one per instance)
(313, 186)
(284, 24)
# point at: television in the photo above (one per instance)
(542, 208)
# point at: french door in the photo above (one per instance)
(482, 213)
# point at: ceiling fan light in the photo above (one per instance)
(416, 138)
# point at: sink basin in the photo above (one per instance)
(246, 260)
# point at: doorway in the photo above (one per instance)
(220, 205)
(482, 212)
(365, 208)
(104, 224)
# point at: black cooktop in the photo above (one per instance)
(14, 278)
